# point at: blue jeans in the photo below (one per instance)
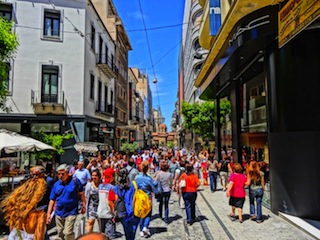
(256, 194)
(144, 222)
(108, 227)
(130, 226)
(213, 180)
(164, 198)
(190, 205)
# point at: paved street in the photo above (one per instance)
(213, 222)
(212, 210)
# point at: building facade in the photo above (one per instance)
(144, 91)
(191, 58)
(258, 59)
(136, 111)
(62, 78)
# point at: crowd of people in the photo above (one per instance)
(120, 188)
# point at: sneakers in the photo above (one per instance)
(146, 232)
(141, 234)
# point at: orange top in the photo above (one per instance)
(192, 182)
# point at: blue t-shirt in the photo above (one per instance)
(83, 175)
(127, 195)
(66, 197)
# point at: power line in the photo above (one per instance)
(171, 49)
(149, 50)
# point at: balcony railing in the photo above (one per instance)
(39, 97)
(106, 64)
(104, 108)
(48, 103)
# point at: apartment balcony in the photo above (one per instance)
(106, 65)
(48, 103)
(135, 120)
(142, 122)
(104, 109)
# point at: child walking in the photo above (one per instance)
(236, 191)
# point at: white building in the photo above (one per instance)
(191, 58)
(63, 74)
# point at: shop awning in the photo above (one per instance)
(238, 10)
(91, 147)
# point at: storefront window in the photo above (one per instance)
(254, 127)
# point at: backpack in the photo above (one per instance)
(141, 202)
(120, 209)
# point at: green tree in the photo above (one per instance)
(201, 117)
(170, 144)
(129, 147)
(54, 140)
(8, 46)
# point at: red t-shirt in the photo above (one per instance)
(238, 180)
(138, 160)
(111, 196)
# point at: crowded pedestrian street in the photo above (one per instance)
(213, 222)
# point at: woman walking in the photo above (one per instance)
(236, 191)
(256, 188)
(212, 167)
(189, 183)
(145, 183)
(92, 198)
(165, 179)
(125, 190)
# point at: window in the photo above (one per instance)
(112, 64)
(49, 85)
(51, 23)
(106, 94)
(111, 97)
(106, 55)
(196, 44)
(6, 11)
(93, 37)
(100, 49)
(105, 98)
(196, 16)
(92, 86)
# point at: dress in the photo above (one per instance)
(93, 203)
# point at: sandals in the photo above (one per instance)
(232, 217)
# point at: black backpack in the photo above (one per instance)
(120, 209)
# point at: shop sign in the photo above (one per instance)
(295, 16)
(215, 17)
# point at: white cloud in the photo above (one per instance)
(136, 15)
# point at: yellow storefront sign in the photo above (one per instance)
(295, 16)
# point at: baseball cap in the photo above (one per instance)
(108, 174)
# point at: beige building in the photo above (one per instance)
(144, 91)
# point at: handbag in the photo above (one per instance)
(158, 186)
(182, 183)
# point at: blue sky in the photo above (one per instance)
(166, 16)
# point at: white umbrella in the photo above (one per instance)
(13, 142)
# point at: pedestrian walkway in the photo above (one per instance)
(213, 222)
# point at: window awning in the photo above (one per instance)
(91, 147)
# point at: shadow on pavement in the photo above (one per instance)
(201, 218)
(174, 218)
(157, 230)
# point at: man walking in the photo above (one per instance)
(65, 195)
(82, 174)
